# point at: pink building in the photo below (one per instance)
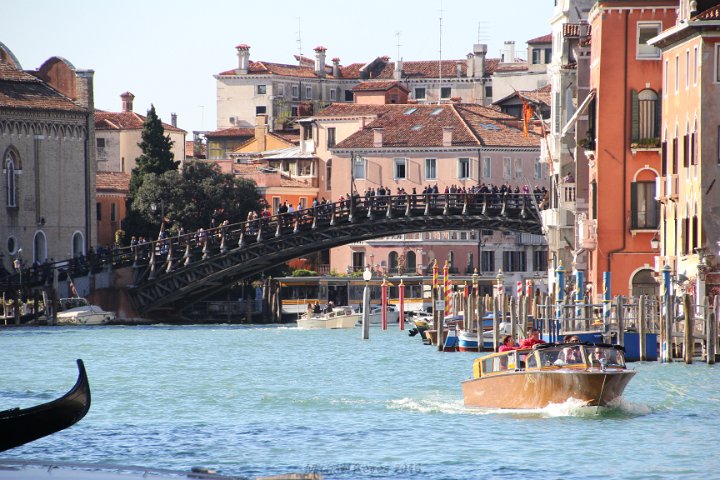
(410, 147)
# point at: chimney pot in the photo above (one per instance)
(320, 61)
(447, 136)
(336, 67)
(243, 53)
(378, 137)
(127, 101)
(173, 119)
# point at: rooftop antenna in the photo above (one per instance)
(398, 44)
(482, 33)
(440, 53)
(299, 38)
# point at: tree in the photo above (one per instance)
(194, 195)
(156, 158)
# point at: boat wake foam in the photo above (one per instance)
(428, 405)
(572, 407)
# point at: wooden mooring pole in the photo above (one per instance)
(712, 334)
(620, 316)
(642, 341)
(688, 340)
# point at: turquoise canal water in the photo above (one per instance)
(251, 401)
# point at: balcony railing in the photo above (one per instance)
(567, 192)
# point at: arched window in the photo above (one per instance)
(645, 118)
(39, 247)
(411, 261)
(393, 262)
(643, 283)
(10, 170)
(78, 244)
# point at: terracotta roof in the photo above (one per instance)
(292, 136)
(413, 125)
(112, 181)
(496, 129)
(294, 182)
(544, 39)
(378, 86)
(125, 121)
(19, 89)
(541, 94)
(350, 109)
(430, 68)
(383, 69)
(511, 67)
(232, 132)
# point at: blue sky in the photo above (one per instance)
(166, 52)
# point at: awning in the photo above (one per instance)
(583, 106)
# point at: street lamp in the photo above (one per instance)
(154, 208)
(655, 242)
(17, 264)
(481, 244)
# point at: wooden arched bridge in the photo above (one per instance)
(172, 273)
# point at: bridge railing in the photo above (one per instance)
(170, 252)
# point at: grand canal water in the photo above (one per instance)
(266, 400)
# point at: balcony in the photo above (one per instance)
(587, 232)
(556, 218)
(566, 196)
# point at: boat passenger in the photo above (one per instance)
(532, 339)
(508, 343)
(316, 307)
(597, 357)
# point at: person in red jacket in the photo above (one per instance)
(508, 343)
(532, 339)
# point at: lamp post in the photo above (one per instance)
(154, 208)
(17, 264)
(367, 275)
(481, 244)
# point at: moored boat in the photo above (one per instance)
(338, 317)
(77, 311)
(23, 425)
(594, 374)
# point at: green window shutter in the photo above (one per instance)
(633, 206)
(635, 117)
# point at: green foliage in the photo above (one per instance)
(191, 197)
(304, 273)
(157, 156)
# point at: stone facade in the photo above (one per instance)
(48, 169)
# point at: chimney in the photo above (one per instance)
(260, 132)
(378, 137)
(508, 55)
(320, 61)
(447, 136)
(336, 67)
(173, 119)
(477, 59)
(85, 88)
(127, 101)
(458, 68)
(398, 70)
(243, 53)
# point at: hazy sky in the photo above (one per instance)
(166, 52)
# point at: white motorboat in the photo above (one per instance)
(338, 317)
(393, 314)
(77, 311)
